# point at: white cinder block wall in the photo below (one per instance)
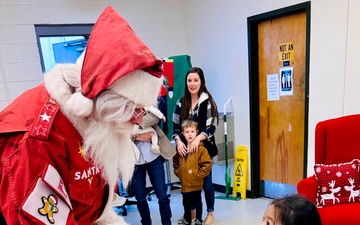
(213, 33)
(159, 23)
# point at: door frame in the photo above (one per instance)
(253, 22)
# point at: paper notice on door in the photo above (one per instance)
(273, 87)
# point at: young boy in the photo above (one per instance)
(191, 170)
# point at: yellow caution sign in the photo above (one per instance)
(240, 171)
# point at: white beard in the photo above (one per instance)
(111, 150)
(106, 132)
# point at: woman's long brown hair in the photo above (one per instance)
(186, 102)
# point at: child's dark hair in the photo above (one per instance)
(188, 123)
(296, 210)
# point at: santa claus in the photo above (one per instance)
(68, 139)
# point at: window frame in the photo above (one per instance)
(57, 30)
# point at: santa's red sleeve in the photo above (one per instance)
(43, 175)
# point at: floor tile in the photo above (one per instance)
(227, 212)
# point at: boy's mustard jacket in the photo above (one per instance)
(192, 169)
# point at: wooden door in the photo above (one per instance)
(278, 75)
(281, 118)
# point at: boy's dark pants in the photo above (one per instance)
(192, 199)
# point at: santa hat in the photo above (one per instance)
(116, 58)
(53, 199)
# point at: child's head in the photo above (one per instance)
(291, 210)
(189, 129)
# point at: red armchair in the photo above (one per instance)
(336, 141)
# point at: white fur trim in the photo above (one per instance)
(138, 86)
(56, 84)
(109, 217)
(60, 82)
(80, 60)
(80, 105)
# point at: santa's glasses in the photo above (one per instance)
(140, 112)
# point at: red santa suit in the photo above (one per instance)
(46, 176)
(42, 156)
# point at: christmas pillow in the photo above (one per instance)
(337, 183)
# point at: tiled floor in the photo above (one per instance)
(227, 212)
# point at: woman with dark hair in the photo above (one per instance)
(197, 104)
(291, 210)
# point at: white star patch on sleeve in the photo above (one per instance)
(45, 117)
(42, 124)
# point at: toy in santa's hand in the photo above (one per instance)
(64, 143)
